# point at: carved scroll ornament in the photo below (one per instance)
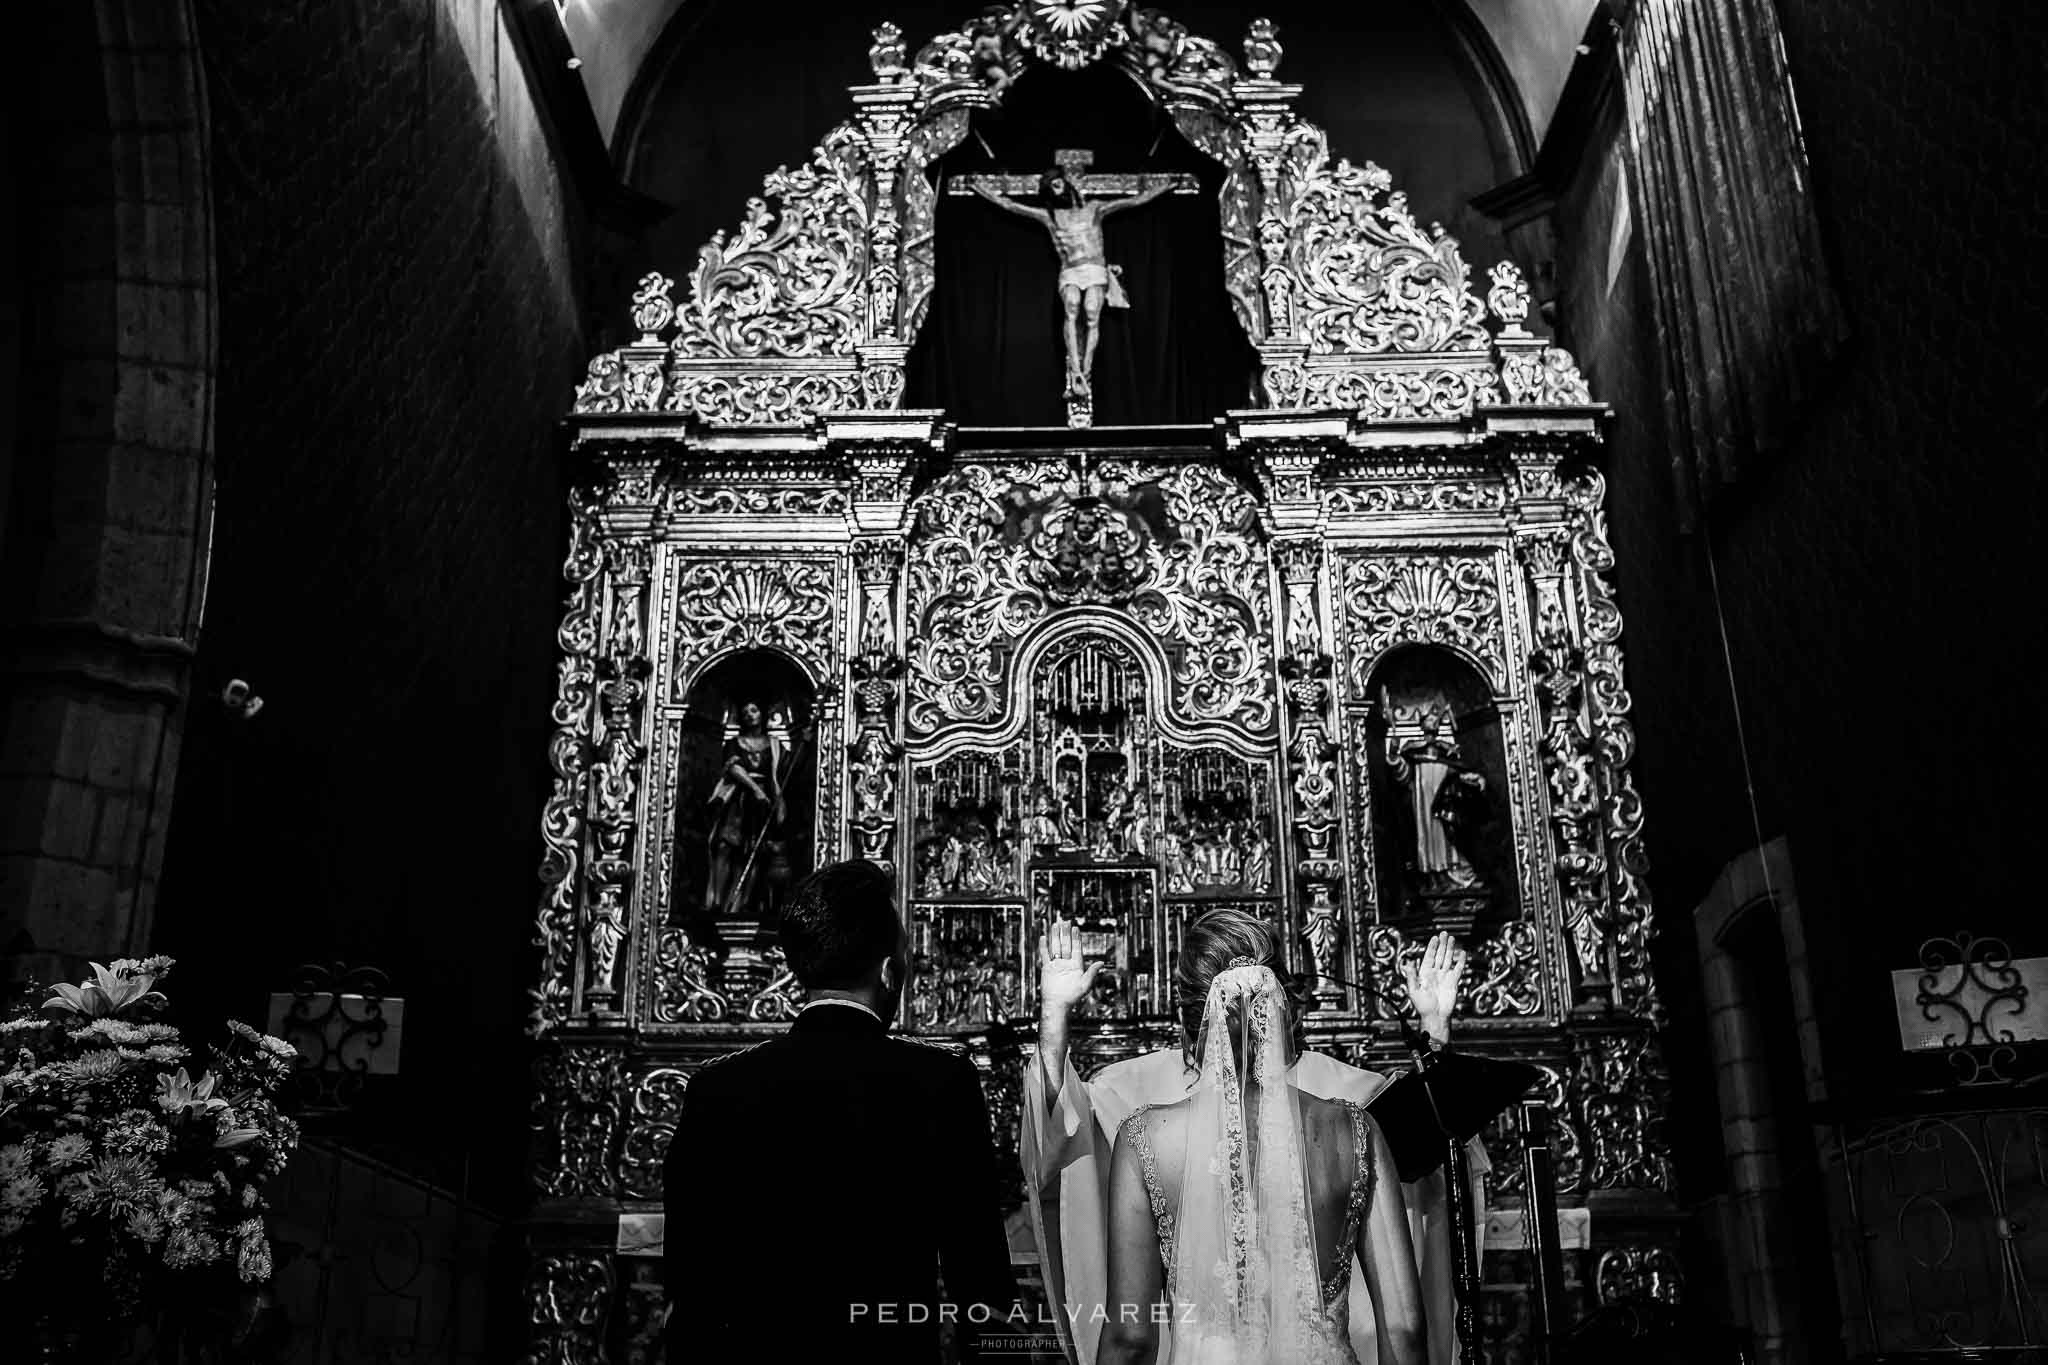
(978, 584)
(812, 306)
(1424, 599)
(1368, 280)
(727, 604)
(573, 715)
(1614, 742)
(568, 1297)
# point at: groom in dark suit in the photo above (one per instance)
(820, 1184)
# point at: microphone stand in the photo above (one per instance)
(1458, 1166)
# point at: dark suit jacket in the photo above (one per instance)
(816, 1187)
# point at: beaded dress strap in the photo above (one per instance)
(1361, 1198)
(1133, 1131)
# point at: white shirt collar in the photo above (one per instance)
(849, 1004)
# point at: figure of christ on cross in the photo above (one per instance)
(1087, 279)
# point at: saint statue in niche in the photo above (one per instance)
(746, 862)
(1440, 787)
(1087, 281)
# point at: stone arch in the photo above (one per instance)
(110, 507)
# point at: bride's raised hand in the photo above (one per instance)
(1064, 976)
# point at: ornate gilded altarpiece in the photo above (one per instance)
(1119, 674)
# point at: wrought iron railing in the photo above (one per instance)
(1948, 1215)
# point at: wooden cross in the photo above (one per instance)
(1075, 162)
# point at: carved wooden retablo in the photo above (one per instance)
(1352, 661)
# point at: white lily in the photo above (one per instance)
(178, 1093)
(109, 992)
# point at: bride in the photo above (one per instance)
(1235, 1212)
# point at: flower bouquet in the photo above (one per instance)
(131, 1191)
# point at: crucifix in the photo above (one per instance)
(1071, 206)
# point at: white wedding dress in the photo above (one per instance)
(1069, 1127)
(1255, 1200)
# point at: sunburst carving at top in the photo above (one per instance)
(1071, 33)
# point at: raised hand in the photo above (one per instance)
(1433, 981)
(1064, 978)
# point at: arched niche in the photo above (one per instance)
(1442, 825)
(734, 859)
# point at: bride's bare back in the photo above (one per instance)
(1355, 1209)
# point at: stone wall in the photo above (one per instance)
(1868, 704)
(1865, 581)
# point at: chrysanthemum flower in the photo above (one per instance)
(15, 1159)
(88, 1067)
(252, 1251)
(68, 1149)
(124, 1184)
(185, 1247)
(117, 1031)
(22, 1193)
(136, 1133)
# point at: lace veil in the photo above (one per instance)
(1245, 1282)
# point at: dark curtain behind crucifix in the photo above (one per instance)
(991, 352)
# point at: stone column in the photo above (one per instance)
(108, 498)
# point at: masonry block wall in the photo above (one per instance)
(398, 336)
(1876, 582)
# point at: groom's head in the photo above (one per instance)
(840, 934)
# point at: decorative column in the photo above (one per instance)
(883, 452)
(1614, 742)
(1536, 374)
(1557, 667)
(619, 752)
(1267, 109)
(883, 113)
(1294, 503)
(874, 756)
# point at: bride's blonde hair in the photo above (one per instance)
(1211, 944)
